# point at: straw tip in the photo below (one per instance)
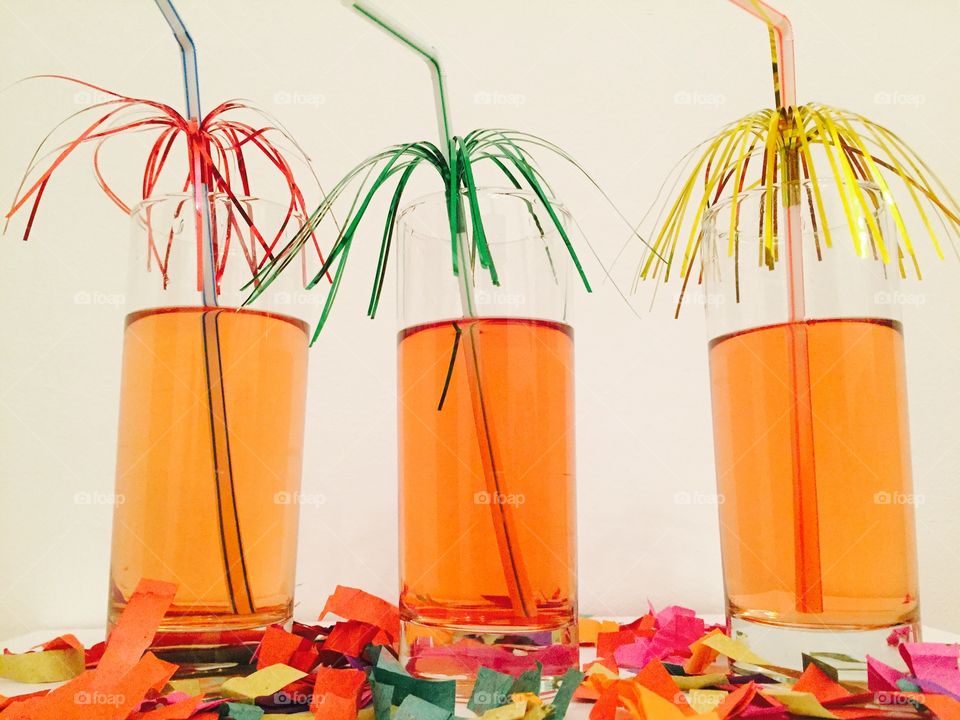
(347, 3)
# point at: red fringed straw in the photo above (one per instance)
(219, 145)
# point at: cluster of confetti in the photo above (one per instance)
(666, 665)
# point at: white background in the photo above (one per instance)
(627, 86)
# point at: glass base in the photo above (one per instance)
(445, 652)
(785, 645)
(211, 644)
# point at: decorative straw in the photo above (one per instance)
(231, 540)
(508, 545)
(806, 516)
(857, 151)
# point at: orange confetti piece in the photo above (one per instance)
(654, 677)
(703, 656)
(335, 693)
(277, 647)
(135, 630)
(353, 604)
(815, 681)
(352, 636)
(588, 629)
(177, 711)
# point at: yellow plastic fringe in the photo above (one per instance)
(856, 150)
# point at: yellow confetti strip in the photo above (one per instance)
(733, 649)
(704, 701)
(43, 666)
(799, 703)
(263, 682)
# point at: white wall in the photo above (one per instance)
(606, 80)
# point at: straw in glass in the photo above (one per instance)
(806, 516)
(508, 546)
(231, 540)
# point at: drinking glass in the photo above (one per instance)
(486, 446)
(211, 429)
(810, 430)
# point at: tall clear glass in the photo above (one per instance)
(811, 435)
(211, 430)
(486, 447)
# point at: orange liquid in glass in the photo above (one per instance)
(453, 572)
(864, 503)
(168, 522)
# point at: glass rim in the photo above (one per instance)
(485, 190)
(493, 191)
(711, 212)
(214, 196)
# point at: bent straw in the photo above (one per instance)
(807, 566)
(511, 558)
(231, 542)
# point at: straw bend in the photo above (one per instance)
(423, 48)
(783, 53)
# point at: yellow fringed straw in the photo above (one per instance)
(830, 143)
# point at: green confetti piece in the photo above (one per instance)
(568, 685)
(442, 693)
(382, 700)
(491, 690)
(414, 708)
(528, 682)
(385, 660)
(240, 711)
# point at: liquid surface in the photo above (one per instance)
(453, 567)
(860, 472)
(167, 523)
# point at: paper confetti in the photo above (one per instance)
(323, 673)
